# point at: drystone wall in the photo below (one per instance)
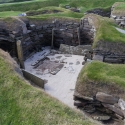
(7, 46)
(35, 34)
(55, 32)
(87, 31)
(50, 33)
(101, 12)
(75, 50)
(119, 18)
(110, 52)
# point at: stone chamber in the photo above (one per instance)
(36, 34)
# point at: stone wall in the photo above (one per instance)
(75, 50)
(101, 12)
(111, 52)
(35, 34)
(55, 32)
(87, 31)
(7, 42)
(118, 17)
(32, 78)
(40, 34)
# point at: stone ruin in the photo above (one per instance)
(101, 12)
(102, 107)
(36, 34)
(118, 17)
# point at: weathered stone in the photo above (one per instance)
(82, 97)
(98, 57)
(114, 109)
(105, 98)
(102, 118)
(41, 35)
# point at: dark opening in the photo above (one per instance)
(9, 47)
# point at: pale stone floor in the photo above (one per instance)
(61, 85)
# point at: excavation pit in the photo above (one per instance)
(60, 71)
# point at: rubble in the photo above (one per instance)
(110, 107)
(101, 12)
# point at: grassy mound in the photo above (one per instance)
(46, 10)
(54, 12)
(105, 30)
(22, 104)
(37, 4)
(101, 77)
(9, 13)
(119, 9)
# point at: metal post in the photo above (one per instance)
(20, 54)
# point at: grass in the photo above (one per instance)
(50, 13)
(9, 13)
(27, 6)
(37, 4)
(11, 1)
(119, 9)
(22, 104)
(68, 14)
(104, 73)
(101, 77)
(49, 9)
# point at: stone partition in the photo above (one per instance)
(75, 50)
(36, 80)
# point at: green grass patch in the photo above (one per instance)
(46, 10)
(9, 13)
(37, 4)
(119, 9)
(101, 77)
(68, 14)
(22, 104)
(104, 73)
(28, 5)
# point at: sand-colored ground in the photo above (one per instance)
(62, 84)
